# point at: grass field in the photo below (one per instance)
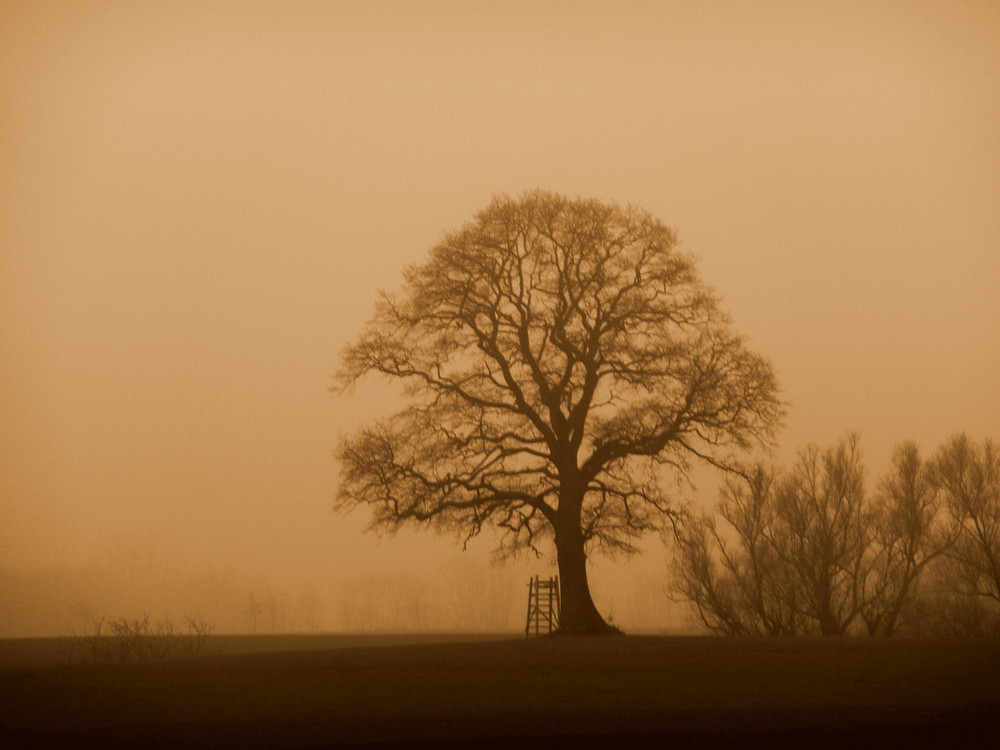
(482, 691)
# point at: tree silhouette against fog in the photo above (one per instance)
(798, 553)
(808, 550)
(557, 355)
(909, 535)
(968, 476)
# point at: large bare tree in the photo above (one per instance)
(557, 355)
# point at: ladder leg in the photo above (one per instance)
(527, 622)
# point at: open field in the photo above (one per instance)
(304, 691)
(35, 652)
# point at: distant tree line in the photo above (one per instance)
(810, 550)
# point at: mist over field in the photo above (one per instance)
(199, 204)
(465, 594)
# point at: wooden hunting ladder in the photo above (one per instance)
(543, 607)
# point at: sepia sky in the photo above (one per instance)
(199, 201)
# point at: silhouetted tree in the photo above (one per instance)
(794, 554)
(557, 354)
(811, 551)
(736, 578)
(968, 476)
(908, 536)
(826, 532)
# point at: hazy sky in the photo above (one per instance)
(198, 202)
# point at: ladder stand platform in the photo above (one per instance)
(543, 607)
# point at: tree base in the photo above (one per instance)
(594, 630)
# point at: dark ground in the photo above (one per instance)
(633, 691)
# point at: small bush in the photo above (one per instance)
(141, 640)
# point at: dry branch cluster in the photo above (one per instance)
(127, 640)
(809, 550)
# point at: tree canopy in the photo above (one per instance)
(557, 356)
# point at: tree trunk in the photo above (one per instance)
(578, 614)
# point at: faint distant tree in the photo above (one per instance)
(557, 354)
(309, 604)
(909, 535)
(255, 607)
(968, 476)
(273, 609)
(480, 599)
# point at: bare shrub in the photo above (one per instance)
(125, 640)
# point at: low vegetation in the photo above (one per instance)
(125, 640)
